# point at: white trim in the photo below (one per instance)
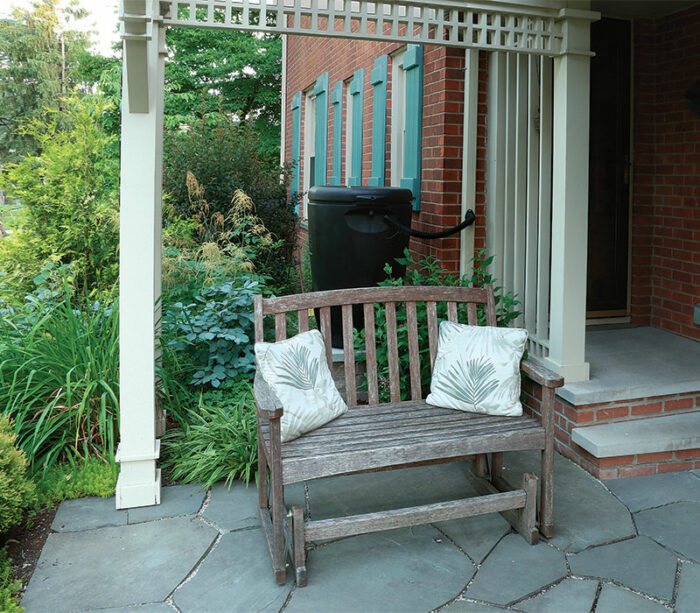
(308, 146)
(347, 154)
(471, 104)
(283, 105)
(398, 117)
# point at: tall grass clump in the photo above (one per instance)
(59, 360)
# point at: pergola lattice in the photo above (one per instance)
(534, 27)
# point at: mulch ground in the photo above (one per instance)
(24, 544)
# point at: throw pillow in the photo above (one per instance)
(477, 369)
(297, 372)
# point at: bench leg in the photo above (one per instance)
(527, 520)
(547, 493)
(263, 501)
(298, 544)
(479, 465)
(496, 466)
(279, 554)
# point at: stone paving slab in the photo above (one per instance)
(115, 567)
(651, 491)
(236, 577)
(174, 501)
(585, 513)
(466, 606)
(688, 600)
(88, 514)
(476, 535)
(233, 508)
(152, 607)
(515, 569)
(638, 563)
(614, 599)
(411, 569)
(677, 526)
(571, 595)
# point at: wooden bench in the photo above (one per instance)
(379, 436)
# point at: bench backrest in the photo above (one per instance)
(477, 300)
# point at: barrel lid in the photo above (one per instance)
(359, 195)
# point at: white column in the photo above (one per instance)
(139, 272)
(570, 201)
(471, 95)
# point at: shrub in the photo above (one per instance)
(66, 481)
(216, 331)
(428, 271)
(223, 157)
(16, 489)
(69, 193)
(219, 439)
(9, 587)
(59, 359)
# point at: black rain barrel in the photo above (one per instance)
(349, 241)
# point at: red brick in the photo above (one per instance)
(616, 461)
(662, 456)
(672, 467)
(681, 403)
(646, 409)
(612, 413)
(687, 454)
(637, 471)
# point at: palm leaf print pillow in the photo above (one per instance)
(297, 371)
(477, 369)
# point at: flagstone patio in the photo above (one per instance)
(630, 545)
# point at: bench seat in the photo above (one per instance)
(383, 436)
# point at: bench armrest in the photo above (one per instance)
(269, 405)
(540, 374)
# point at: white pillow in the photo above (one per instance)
(297, 372)
(477, 369)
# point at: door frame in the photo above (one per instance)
(613, 317)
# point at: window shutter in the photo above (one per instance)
(321, 158)
(413, 68)
(378, 78)
(296, 145)
(337, 102)
(357, 89)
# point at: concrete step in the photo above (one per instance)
(651, 435)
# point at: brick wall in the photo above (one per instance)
(443, 102)
(666, 187)
(567, 417)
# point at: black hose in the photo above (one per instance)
(469, 219)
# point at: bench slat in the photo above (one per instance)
(303, 315)
(280, 326)
(472, 314)
(349, 355)
(366, 458)
(371, 354)
(326, 333)
(413, 350)
(431, 309)
(452, 312)
(338, 297)
(392, 353)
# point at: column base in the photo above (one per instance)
(572, 373)
(141, 495)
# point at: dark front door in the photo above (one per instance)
(608, 205)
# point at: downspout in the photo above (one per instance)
(283, 116)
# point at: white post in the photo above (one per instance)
(471, 95)
(139, 266)
(570, 201)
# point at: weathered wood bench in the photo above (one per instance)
(379, 436)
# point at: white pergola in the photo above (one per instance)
(516, 28)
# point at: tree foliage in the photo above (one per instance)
(40, 60)
(237, 73)
(70, 197)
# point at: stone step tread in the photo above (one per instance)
(650, 435)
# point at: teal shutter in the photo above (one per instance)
(337, 102)
(413, 67)
(321, 94)
(378, 78)
(357, 90)
(296, 145)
